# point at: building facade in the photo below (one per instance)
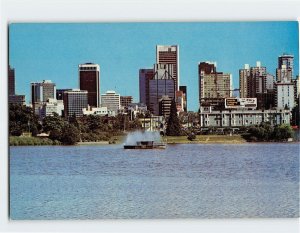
(126, 100)
(159, 88)
(111, 100)
(165, 106)
(255, 82)
(285, 70)
(144, 76)
(213, 86)
(74, 102)
(101, 111)
(11, 81)
(16, 99)
(42, 91)
(284, 95)
(244, 75)
(60, 93)
(242, 117)
(50, 107)
(89, 80)
(169, 54)
(184, 91)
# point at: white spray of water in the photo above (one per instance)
(136, 136)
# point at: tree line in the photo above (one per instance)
(68, 131)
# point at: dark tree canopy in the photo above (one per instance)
(173, 127)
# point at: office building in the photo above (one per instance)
(12, 97)
(165, 106)
(42, 91)
(255, 82)
(161, 85)
(166, 54)
(60, 93)
(285, 95)
(11, 81)
(111, 100)
(74, 102)
(16, 99)
(213, 86)
(285, 70)
(184, 91)
(244, 76)
(297, 86)
(125, 100)
(144, 76)
(179, 100)
(51, 107)
(89, 80)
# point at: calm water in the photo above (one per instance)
(183, 181)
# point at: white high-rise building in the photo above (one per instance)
(111, 100)
(284, 95)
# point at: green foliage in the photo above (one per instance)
(22, 119)
(54, 122)
(70, 135)
(191, 136)
(282, 132)
(266, 132)
(31, 141)
(173, 127)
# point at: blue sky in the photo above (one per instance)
(41, 51)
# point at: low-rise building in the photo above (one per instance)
(16, 99)
(50, 107)
(242, 117)
(101, 111)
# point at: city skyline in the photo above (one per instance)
(54, 51)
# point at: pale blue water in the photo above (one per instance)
(183, 181)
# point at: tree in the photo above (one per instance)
(54, 122)
(22, 119)
(70, 135)
(282, 132)
(173, 127)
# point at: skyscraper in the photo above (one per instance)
(244, 76)
(125, 100)
(184, 91)
(214, 86)
(42, 91)
(12, 97)
(74, 102)
(111, 100)
(89, 80)
(255, 82)
(11, 81)
(169, 54)
(162, 84)
(144, 76)
(285, 69)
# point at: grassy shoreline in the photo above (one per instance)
(205, 139)
(200, 139)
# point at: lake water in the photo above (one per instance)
(183, 181)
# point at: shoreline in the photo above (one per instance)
(170, 140)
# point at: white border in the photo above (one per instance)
(132, 10)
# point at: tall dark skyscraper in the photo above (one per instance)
(144, 76)
(89, 80)
(11, 81)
